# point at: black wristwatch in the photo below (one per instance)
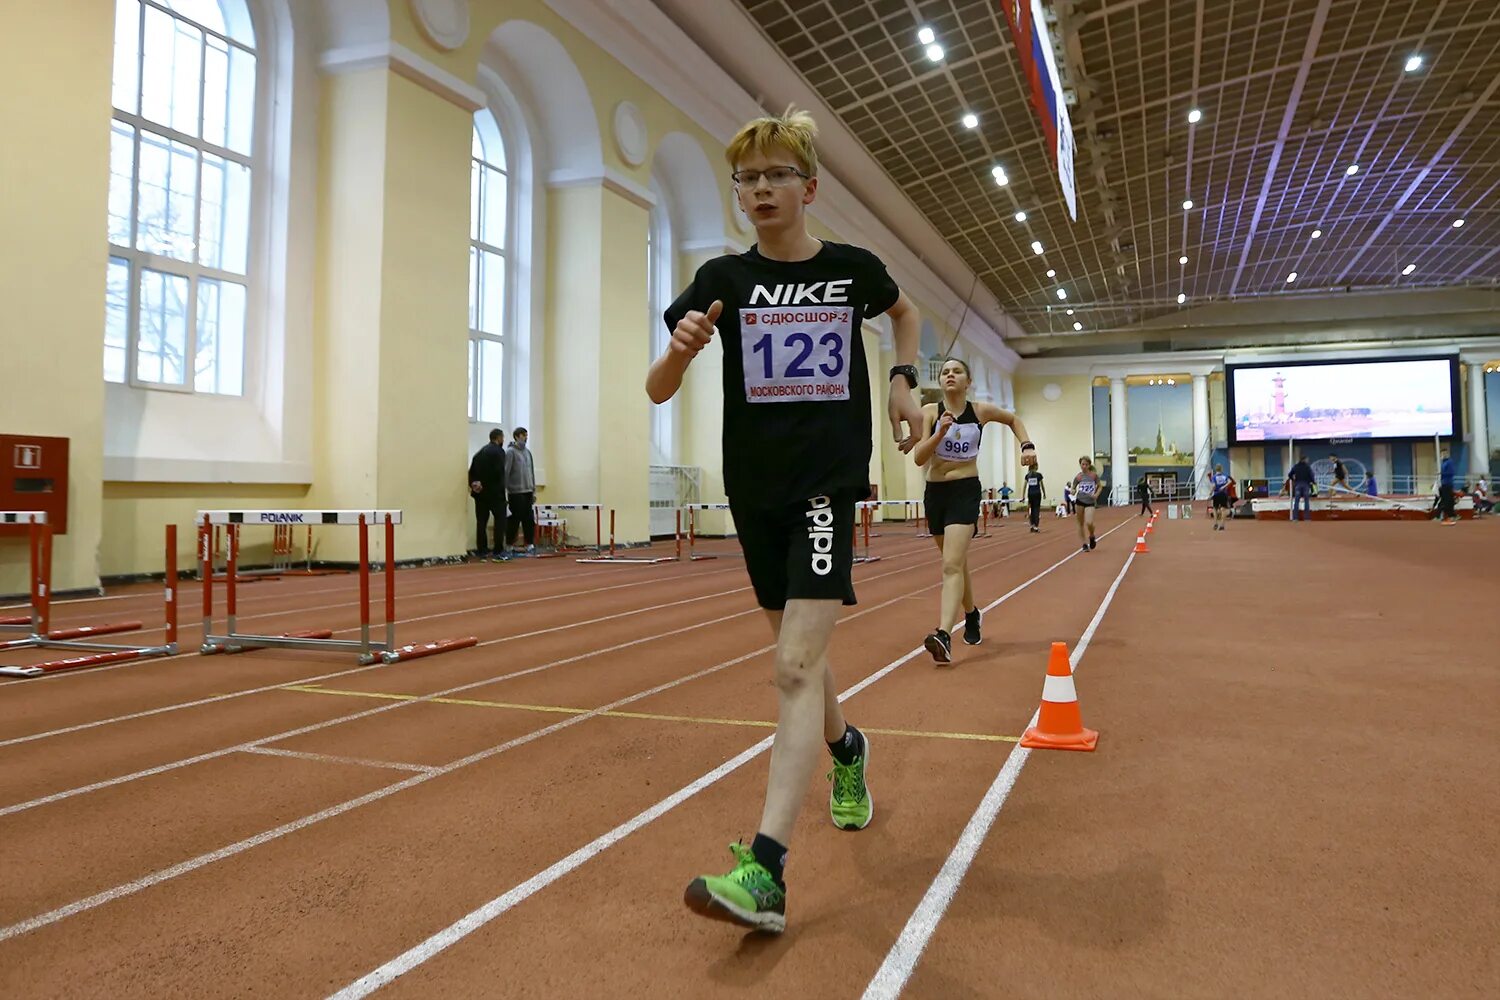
(910, 371)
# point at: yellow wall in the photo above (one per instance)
(136, 515)
(1062, 429)
(55, 62)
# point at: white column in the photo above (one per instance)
(1382, 470)
(1201, 431)
(1119, 450)
(1479, 427)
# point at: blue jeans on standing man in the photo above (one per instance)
(1301, 501)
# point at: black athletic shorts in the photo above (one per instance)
(804, 551)
(1221, 500)
(954, 502)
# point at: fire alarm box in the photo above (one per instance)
(34, 476)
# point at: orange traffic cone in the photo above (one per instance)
(1140, 543)
(1150, 527)
(1060, 724)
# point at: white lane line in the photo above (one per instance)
(328, 758)
(345, 673)
(891, 978)
(192, 864)
(476, 919)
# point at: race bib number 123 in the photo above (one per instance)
(796, 355)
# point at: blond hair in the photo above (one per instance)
(793, 131)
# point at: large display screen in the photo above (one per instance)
(1318, 401)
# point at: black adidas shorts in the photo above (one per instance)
(804, 551)
(1221, 500)
(953, 502)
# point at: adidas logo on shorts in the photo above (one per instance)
(820, 534)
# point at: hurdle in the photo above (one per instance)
(43, 636)
(283, 554)
(231, 640)
(555, 528)
(866, 510)
(612, 558)
(691, 532)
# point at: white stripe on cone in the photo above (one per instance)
(1059, 690)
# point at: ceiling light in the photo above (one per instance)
(1195, 116)
(1408, 269)
(934, 53)
(1317, 234)
(1070, 312)
(1171, 381)
(1078, 326)
(1051, 273)
(1458, 223)
(1152, 382)
(1291, 277)
(1413, 64)
(998, 173)
(971, 120)
(926, 36)
(1020, 216)
(1351, 170)
(1182, 259)
(1181, 298)
(1187, 206)
(1036, 247)
(1062, 293)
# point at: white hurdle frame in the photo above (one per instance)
(370, 651)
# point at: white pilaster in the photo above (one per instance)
(1479, 428)
(1201, 451)
(1119, 450)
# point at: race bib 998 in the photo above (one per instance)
(796, 355)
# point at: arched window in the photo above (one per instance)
(489, 326)
(183, 174)
(660, 253)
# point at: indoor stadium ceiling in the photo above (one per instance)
(1355, 143)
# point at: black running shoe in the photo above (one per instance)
(1035, 529)
(940, 645)
(971, 627)
(1093, 542)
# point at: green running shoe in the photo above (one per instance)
(748, 896)
(850, 802)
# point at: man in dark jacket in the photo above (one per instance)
(1302, 480)
(487, 484)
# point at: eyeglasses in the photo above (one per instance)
(777, 177)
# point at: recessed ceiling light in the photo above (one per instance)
(1182, 259)
(926, 36)
(971, 120)
(1413, 63)
(1062, 293)
(1408, 269)
(1171, 381)
(1187, 206)
(1036, 247)
(1020, 216)
(1051, 273)
(1152, 382)
(1458, 223)
(1351, 170)
(999, 174)
(1078, 326)
(1181, 298)
(1291, 277)
(934, 53)
(1195, 116)
(1317, 234)
(1070, 312)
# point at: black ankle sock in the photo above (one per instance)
(848, 746)
(770, 854)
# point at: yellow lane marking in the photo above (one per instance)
(649, 716)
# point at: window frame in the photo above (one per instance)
(506, 335)
(139, 260)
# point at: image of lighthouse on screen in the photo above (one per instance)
(1376, 399)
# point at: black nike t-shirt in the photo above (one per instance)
(796, 380)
